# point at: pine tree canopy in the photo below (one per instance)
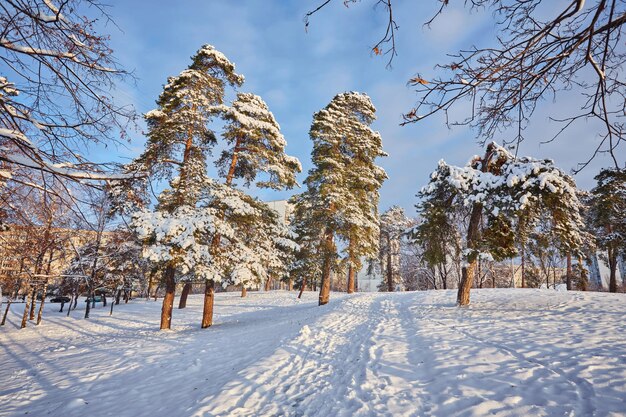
(508, 189)
(254, 136)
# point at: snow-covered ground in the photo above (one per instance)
(512, 353)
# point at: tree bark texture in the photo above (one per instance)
(168, 299)
(326, 268)
(523, 268)
(582, 278)
(43, 302)
(209, 298)
(390, 286)
(569, 272)
(302, 287)
(69, 305)
(26, 307)
(149, 289)
(612, 257)
(467, 277)
(33, 304)
(182, 303)
(88, 303)
(350, 279)
(6, 311)
(233, 162)
(244, 291)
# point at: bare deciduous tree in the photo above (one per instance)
(56, 83)
(538, 55)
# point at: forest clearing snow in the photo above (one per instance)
(513, 352)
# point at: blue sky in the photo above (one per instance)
(298, 73)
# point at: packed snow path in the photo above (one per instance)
(511, 353)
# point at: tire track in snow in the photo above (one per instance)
(314, 374)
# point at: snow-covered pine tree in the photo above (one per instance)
(308, 229)
(364, 178)
(342, 136)
(199, 225)
(393, 225)
(525, 226)
(438, 234)
(179, 135)
(253, 241)
(179, 139)
(498, 187)
(255, 145)
(607, 210)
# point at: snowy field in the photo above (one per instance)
(512, 353)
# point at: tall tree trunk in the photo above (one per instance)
(168, 299)
(290, 284)
(233, 162)
(45, 287)
(69, 305)
(118, 295)
(583, 278)
(350, 279)
(325, 284)
(244, 291)
(467, 276)
(302, 287)
(182, 303)
(88, 303)
(6, 311)
(268, 283)
(43, 302)
(149, 286)
(209, 299)
(390, 286)
(18, 286)
(33, 303)
(104, 300)
(523, 267)
(27, 307)
(444, 276)
(569, 272)
(111, 310)
(612, 252)
(326, 268)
